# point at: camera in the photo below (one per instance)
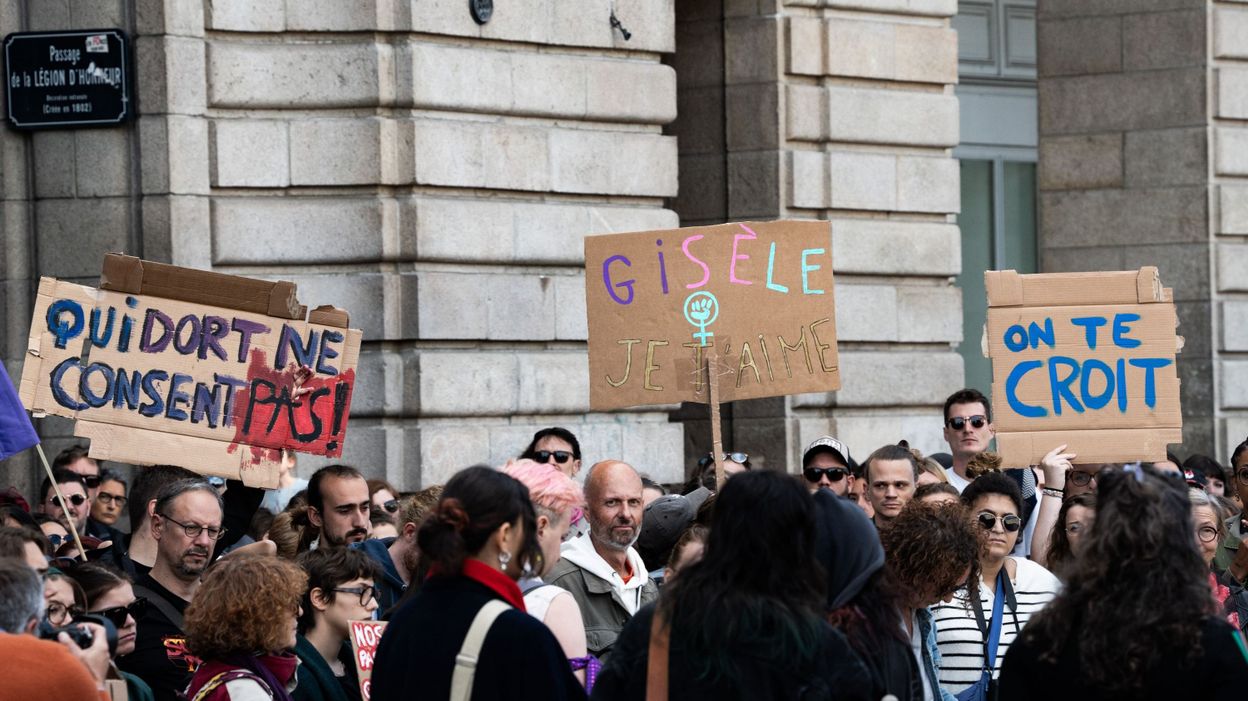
(81, 635)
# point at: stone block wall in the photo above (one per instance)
(870, 121)
(1229, 153)
(1124, 162)
(432, 175)
(845, 111)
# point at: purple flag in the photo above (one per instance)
(16, 432)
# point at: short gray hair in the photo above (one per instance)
(1199, 497)
(21, 596)
(173, 490)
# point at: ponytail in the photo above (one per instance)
(474, 504)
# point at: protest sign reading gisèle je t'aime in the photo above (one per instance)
(1086, 360)
(214, 389)
(756, 294)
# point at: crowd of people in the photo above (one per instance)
(904, 576)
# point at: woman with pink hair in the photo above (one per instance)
(556, 499)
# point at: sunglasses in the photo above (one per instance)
(391, 506)
(1079, 478)
(1009, 522)
(734, 457)
(117, 615)
(958, 423)
(560, 456)
(92, 481)
(834, 474)
(57, 540)
(75, 499)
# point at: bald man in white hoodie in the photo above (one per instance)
(601, 569)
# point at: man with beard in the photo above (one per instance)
(338, 506)
(399, 557)
(185, 523)
(606, 576)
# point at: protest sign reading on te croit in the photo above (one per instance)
(211, 372)
(756, 294)
(1084, 359)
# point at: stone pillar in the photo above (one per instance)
(844, 110)
(1229, 71)
(1124, 171)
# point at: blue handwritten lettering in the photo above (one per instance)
(1011, 390)
(63, 329)
(1061, 387)
(1121, 329)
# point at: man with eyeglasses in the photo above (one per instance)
(75, 459)
(186, 524)
(968, 431)
(76, 505)
(42, 669)
(826, 465)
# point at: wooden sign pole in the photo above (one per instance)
(717, 439)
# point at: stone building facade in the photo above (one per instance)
(436, 176)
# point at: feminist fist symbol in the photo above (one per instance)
(701, 310)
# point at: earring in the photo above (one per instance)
(504, 558)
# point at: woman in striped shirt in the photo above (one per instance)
(993, 502)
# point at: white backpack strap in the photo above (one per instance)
(470, 651)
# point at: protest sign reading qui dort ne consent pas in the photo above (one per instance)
(1086, 360)
(168, 365)
(756, 294)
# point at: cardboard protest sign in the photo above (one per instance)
(211, 372)
(1084, 359)
(365, 637)
(756, 294)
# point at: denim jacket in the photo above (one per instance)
(931, 655)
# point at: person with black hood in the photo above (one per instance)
(861, 602)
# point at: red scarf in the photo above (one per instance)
(498, 582)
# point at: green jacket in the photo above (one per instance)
(593, 585)
(316, 680)
(137, 688)
(1229, 546)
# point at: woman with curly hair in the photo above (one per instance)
(1135, 619)
(467, 628)
(931, 550)
(735, 625)
(242, 624)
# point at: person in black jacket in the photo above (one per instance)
(862, 600)
(1135, 619)
(746, 621)
(478, 541)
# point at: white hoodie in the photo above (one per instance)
(580, 551)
